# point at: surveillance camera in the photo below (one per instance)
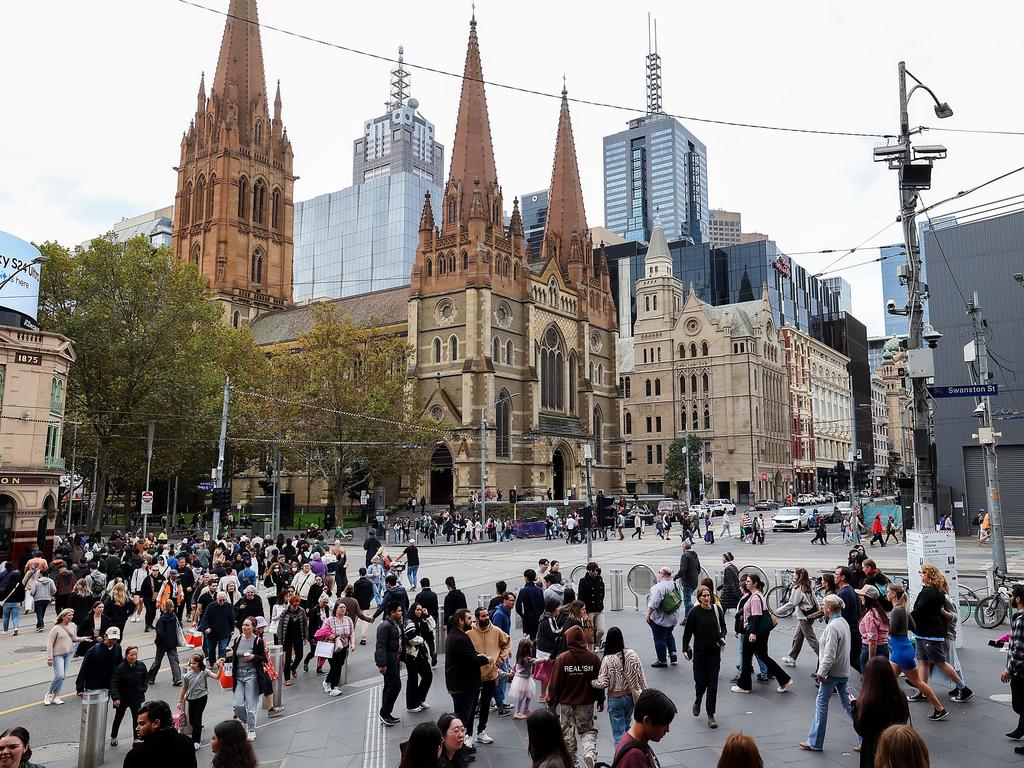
(980, 410)
(931, 336)
(890, 305)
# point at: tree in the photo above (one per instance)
(150, 346)
(341, 404)
(675, 466)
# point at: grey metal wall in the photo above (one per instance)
(983, 256)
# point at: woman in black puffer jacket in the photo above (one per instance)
(127, 690)
(729, 593)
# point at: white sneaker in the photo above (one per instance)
(483, 738)
(788, 661)
(327, 687)
(197, 746)
(417, 708)
(334, 692)
(424, 705)
(251, 736)
(57, 701)
(469, 741)
(47, 699)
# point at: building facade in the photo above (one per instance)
(233, 209)
(724, 227)
(717, 372)
(533, 207)
(843, 290)
(156, 226)
(898, 419)
(528, 346)
(363, 238)
(879, 428)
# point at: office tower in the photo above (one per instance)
(533, 207)
(656, 168)
(363, 238)
(841, 288)
(724, 227)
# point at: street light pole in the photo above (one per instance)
(588, 456)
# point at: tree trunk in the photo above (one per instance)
(96, 515)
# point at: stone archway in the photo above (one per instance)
(558, 474)
(442, 479)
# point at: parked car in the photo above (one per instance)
(698, 510)
(805, 498)
(791, 519)
(721, 507)
(766, 504)
(826, 511)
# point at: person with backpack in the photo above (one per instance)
(663, 604)
(758, 624)
(652, 716)
(689, 574)
(591, 592)
(805, 606)
(571, 690)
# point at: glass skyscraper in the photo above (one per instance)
(656, 169)
(533, 207)
(363, 238)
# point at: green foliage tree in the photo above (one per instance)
(675, 466)
(150, 346)
(342, 404)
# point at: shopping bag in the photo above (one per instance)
(227, 677)
(324, 649)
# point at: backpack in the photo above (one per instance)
(670, 602)
(620, 755)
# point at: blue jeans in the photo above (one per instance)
(620, 715)
(247, 698)
(412, 570)
(378, 592)
(12, 612)
(687, 600)
(663, 640)
(60, 668)
(761, 665)
(816, 736)
(216, 649)
(880, 650)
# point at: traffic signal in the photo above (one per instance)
(222, 498)
(513, 496)
(605, 510)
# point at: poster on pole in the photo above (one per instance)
(939, 549)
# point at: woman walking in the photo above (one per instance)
(118, 606)
(757, 626)
(291, 633)
(81, 601)
(881, 704)
(249, 655)
(91, 628)
(166, 643)
(60, 645)
(43, 590)
(902, 654)
(729, 592)
(705, 626)
(877, 530)
(195, 694)
(230, 747)
(547, 747)
(874, 625)
(930, 617)
(417, 632)
(127, 690)
(340, 628)
(801, 599)
(453, 749)
(316, 617)
(622, 675)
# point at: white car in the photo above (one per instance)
(721, 507)
(805, 498)
(791, 519)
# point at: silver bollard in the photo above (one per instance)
(615, 588)
(482, 601)
(276, 655)
(92, 738)
(517, 620)
(439, 632)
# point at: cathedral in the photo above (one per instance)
(233, 209)
(528, 347)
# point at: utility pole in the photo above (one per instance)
(71, 477)
(94, 496)
(987, 437)
(219, 479)
(150, 430)
(276, 502)
(588, 456)
(853, 442)
(686, 454)
(483, 467)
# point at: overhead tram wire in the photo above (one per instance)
(532, 91)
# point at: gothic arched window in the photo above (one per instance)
(257, 133)
(598, 436)
(657, 386)
(430, 268)
(437, 350)
(496, 350)
(256, 267)
(453, 348)
(452, 210)
(552, 365)
(243, 197)
(259, 201)
(704, 382)
(693, 384)
(234, 320)
(195, 254)
(503, 425)
(186, 207)
(572, 382)
(704, 349)
(199, 200)
(275, 209)
(210, 212)
(682, 351)
(465, 260)
(693, 349)
(508, 352)
(707, 418)
(647, 387)
(629, 423)
(694, 424)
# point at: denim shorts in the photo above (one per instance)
(932, 651)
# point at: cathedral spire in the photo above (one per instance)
(472, 150)
(566, 214)
(201, 97)
(240, 75)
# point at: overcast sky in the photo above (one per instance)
(97, 96)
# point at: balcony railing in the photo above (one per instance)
(53, 462)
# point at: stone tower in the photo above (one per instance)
(233, 209)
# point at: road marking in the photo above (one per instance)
(35, 704)
(23, 661)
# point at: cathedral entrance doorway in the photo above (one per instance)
(442, 481)
(558, 474)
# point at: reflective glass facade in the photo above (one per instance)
(533, 207)
(656, 169)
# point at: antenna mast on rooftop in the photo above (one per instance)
(653, 70)
(399, 82)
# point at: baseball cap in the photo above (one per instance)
(869, 590)
(113, 632)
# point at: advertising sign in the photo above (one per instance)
(939, 549)
(19, 276)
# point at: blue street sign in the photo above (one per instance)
(966, 390)
(204, 486)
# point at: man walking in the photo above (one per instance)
(850, 611)
(495, 644)
(833, 670)
(159, 742)
(530, 603)
(389, 639)
(412, 558)
(591, 592)
(462, 666)
(571, 691)
(689, 574)
(652, 715)
(663, 604)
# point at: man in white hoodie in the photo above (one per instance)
(833, 670)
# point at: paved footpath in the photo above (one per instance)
(344, 731)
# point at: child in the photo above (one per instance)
(523, 688)
(194, 693)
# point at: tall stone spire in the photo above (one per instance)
(240, 77)
(472, 150)
(566, 214)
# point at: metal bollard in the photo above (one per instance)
(482, 601)
(517, 621)
(439, 632)
(615, 588)
(92, 738)
(276, 656)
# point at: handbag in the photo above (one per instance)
(270, 669)
(182, 642)
(324, 649)
(180, 720)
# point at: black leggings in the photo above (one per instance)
(195, 717)
(337, 662)
(292, 655)
(131, 706)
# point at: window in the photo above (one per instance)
(647, 387)
(628, 388)
(682, 351)
(659, 454)
(552, 367)
(629, 454)
(694, 424)
(209, 197)
(647, 306)
(704, 382)
(645, 354)
(243, 197)
(453, 348)
(275, 209)
(259, 201)
(496, 350)
(707, 418)
(654, 302)
(682, 385)
(199, 200)
(693, 384)
(234, 320)
(703, 349)
(682, 420)
(465, 260)
(57, 396)
(629, 423)
(657, 423)
(430, 268)
(650, 454)
(194, 254)
(452, 209)
(186, 207)
(256, 267)
(648, 424)
(503, 425)
(572, 382)
(52, 445)
(437, 350)
(657, 386)
(693, 349)
(598, 436)
(600, 374)
(508, 352)
(257, 134)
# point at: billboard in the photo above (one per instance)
(19, 277)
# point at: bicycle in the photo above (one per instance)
(992, 610)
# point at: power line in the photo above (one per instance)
(986, 131)
(855, 248)
(965, 192)
(531, 91)
(942, 252)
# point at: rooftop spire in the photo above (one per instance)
(566, 214)
(472, 150)
(659, 258)
(240, 64)
(399, 82)
(653, 71)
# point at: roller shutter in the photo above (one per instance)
(1011, 484)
